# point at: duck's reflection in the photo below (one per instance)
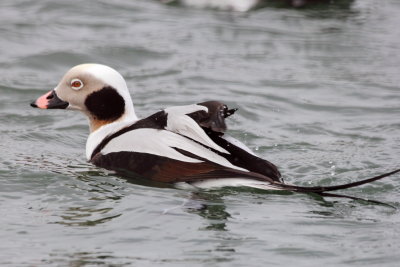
(105, 189)
(91, 186)
(90, 258)
(210, 206)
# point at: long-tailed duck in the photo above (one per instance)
(182, 144)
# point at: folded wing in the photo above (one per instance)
(187, 137)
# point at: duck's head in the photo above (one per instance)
(97, 90)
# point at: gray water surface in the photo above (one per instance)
(318, 94)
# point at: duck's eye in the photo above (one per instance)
(76, 84)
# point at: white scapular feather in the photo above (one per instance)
(180, 123)
(162, 143)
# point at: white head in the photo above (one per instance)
(97, 90)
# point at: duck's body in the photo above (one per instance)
(183, 144)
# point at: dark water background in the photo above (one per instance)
(318, 94)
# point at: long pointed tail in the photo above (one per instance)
(322, 189)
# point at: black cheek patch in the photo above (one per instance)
(105, 104)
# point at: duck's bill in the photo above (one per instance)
(50, 100)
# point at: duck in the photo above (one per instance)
(187, 146)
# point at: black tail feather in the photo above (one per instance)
(229, 112)
(322, 189)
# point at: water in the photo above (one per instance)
(318, 94)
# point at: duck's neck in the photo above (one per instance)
(128, 116)
(94, 124)
(100, 129)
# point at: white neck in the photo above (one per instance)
(102, 132)
(129, 114)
